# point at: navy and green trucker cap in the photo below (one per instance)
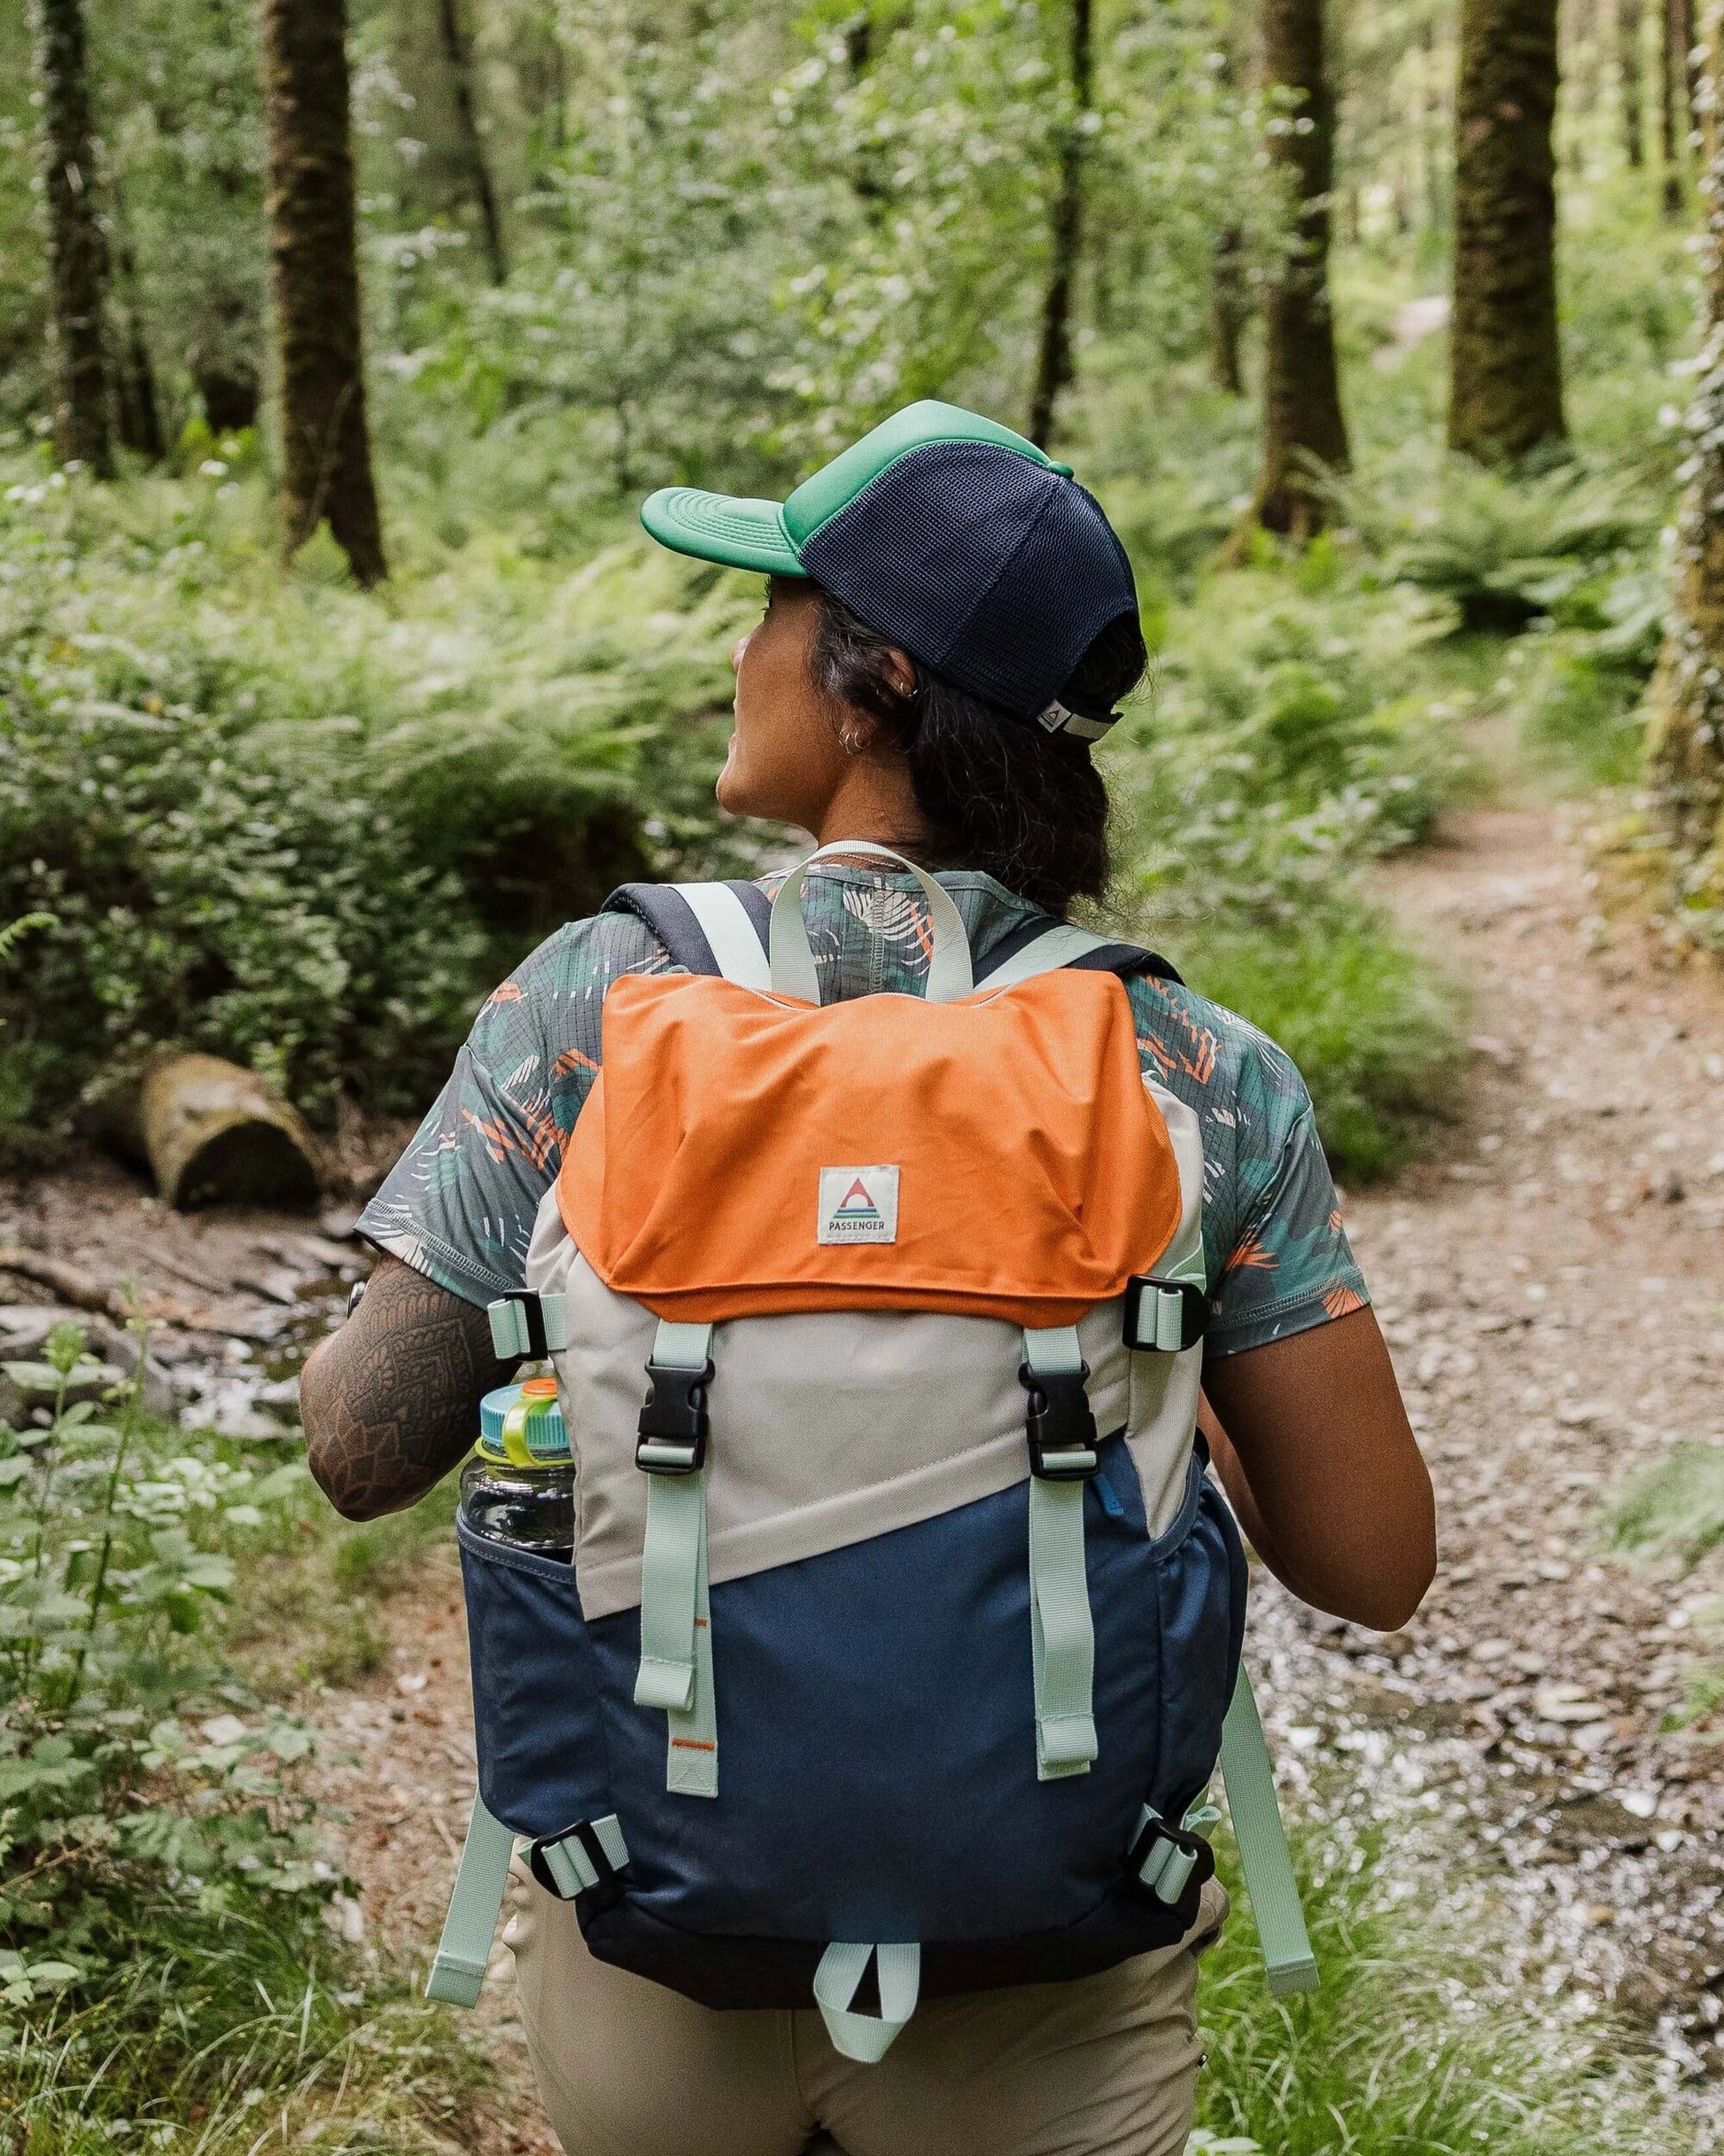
(950, 535)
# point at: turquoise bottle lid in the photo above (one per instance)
(523, 1424)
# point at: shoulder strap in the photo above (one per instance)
(707, 928)
(1043, 946)
(724, 929)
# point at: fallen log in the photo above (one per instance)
(212, 1133)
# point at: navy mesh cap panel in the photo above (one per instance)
(984, 566)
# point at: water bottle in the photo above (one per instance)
(518, 1488)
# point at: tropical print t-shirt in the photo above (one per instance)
(459, 1205)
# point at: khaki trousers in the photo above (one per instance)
(1104, 2067)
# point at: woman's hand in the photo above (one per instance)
(391, 1402)
(1313, 1447)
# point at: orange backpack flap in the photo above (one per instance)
(742, 1154)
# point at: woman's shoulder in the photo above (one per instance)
(1247, 1092)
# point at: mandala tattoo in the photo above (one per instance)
(391, 1402)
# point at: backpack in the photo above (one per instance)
(904, 1626)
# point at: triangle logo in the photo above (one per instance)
(858, 1205)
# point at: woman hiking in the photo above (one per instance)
(950, 626)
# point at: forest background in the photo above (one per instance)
(334, 357)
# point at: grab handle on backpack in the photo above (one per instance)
(793, 971)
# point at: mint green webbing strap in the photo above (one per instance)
(457, 1972)
(729, 932)
(1262, 1844)
(1061, 1633)
(691, 1760)
(868, 2037)
(676, 1630)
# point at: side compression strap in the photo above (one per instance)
(1262, 1845)
(676, 1629)
(458, 1970)
(863, 2037)
(580, 1858)
(1062, 1634)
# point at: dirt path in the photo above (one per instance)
(1553, 1288)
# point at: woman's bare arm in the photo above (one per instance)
(1315, 1452)
(391, 1402)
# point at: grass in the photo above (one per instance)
(225, 2042)
(1673, 1512)
(1410, 2047)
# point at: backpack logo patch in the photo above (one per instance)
(858, 1205)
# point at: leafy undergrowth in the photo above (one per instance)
(1673, 1511)
(1671, 1516)
(167, 1971)
(1299, 726)
(1407, 2049)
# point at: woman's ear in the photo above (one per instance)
(901, 672)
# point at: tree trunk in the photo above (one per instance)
(1053, 363)
(1672, 105)
(458, 52)
(135, 377)
(1303, 425)
(229, 391)
(326, 450)
(1505, 388)
(77, 254)
(1229, 309)
(1630, 86)
(1685, 703)
(1688, 44)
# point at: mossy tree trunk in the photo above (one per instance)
(1053, 362)
(1630, 85)
(1303, 425)
(458, 53)
(1505, 384)
(134, 373)
(1230, 310)
(326, 450)
(1672, 102)
(1685, 733)
(77, 250)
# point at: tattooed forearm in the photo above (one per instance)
(391, 1403)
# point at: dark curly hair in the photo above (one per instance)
(998, 793)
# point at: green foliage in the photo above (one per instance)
(1414, 2044)
(1674, 1510)
(1374, 1027)
(115, 1546)
(164, 1960)
(1277, 754)
(275, 823)
(1505, 550)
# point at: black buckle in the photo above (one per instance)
(592, 1848)
(675, 1423)
(1190, 1845)
(538, 1348)
(1060, 1424)
(1194, 1312)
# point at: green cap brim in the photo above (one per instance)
(740, 533)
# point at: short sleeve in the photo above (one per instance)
(1289, 1265)
(459, 1205)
